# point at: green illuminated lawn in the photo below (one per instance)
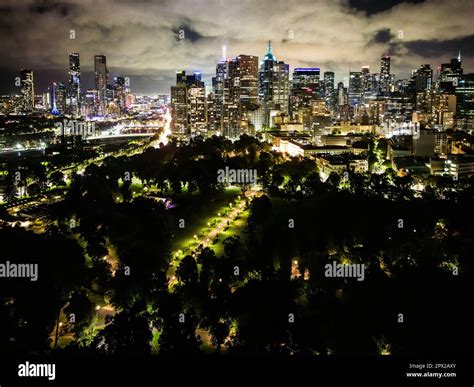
(183, 238)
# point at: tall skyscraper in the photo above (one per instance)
(196, 105)
(188, 105)
(366, 79)
(305, 88)
(73, 101)
(328, 86)
(27, 91)
(240, 94)
(423, 78)
(465, 102)
(450, 74)
(385, 77)
(179, 112)
(120, 92)
(356, 88)
(58, 98)
(101, 82)
(218, 85)
(274, 82)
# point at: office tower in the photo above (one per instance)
(366, 79)
(212, 120)
(101, 82)
(188, 105)
(89, 107)
(218, 85)
(356, 88)
(243, 70)
(274, 82)
(179, 114)
(58, 98)
(27, 104)
(240, 94)
(465, 102)
(120, 92)
(196, 105)
(46, 100)
(385, 78)
(305, 88)
(328, 88)
(423, 78)
(73, 100)
(341, 94)
(450, 74)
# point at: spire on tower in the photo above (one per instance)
(459, 56)
(269, 46)
(224, 52)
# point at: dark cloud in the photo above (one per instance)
(186, 29)
(375, 6)
(440, 48)
(48, 6)
(382, 36)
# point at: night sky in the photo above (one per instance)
(140, 37)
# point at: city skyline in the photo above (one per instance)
(192, 37)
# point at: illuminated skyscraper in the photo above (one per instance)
(101, 81)
(73, 101)
(120, 92)
(450, 74)
(385, 78)
(305, 88)
(356, 88)
(188, 105)
(27, 91)
(240, 94)
(465, 102)
(328, 87)
(423, 78)
(274, 82)
(218, 85)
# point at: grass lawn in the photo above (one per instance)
(197, 225)
(235, 228)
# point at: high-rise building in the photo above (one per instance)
(218, 84)
(240, 94)
(101, 82)
(73, 100)
(465, 102)
(423, 78)
(450, 74)
(305, 88)
(274, 82)
(196, 105)
(366, 79)
(341, 94)
(120, 92)
(179, 112)
(188, 105)
(356, 88)
(27, 91)
(328, 87)
(58, 98)
(385, 77)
